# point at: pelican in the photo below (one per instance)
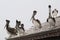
(11, 31)
(18, 23)
(20, 27)
(22, 30)
(50, 19)
(36, 22)
(54, 13)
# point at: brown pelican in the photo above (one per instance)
(20, 28)
(11, 31)
(50, 19)
(18, 23)
(55, 12)
(36, 22)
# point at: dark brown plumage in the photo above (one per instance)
(10, 30)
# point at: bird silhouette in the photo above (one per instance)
(54, 13)
(50, 19)
(36, 22)
(11, 31)
(20, 28)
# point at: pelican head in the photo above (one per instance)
(34, 13)
(55, 12)
(7, 23)
(18, 23)
(49, 6)
(22, 25)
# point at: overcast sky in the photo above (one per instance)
(22, 10)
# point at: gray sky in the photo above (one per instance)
(22, 10)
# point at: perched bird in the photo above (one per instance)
(50, 19)
(17, 26)
(20, 27)
(18, 23)
(11, 31)
(54, 13)
(36, 22)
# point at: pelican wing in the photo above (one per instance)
(38, 21)
(54, 19)
(12, 31)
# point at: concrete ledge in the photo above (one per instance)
(41, 35)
